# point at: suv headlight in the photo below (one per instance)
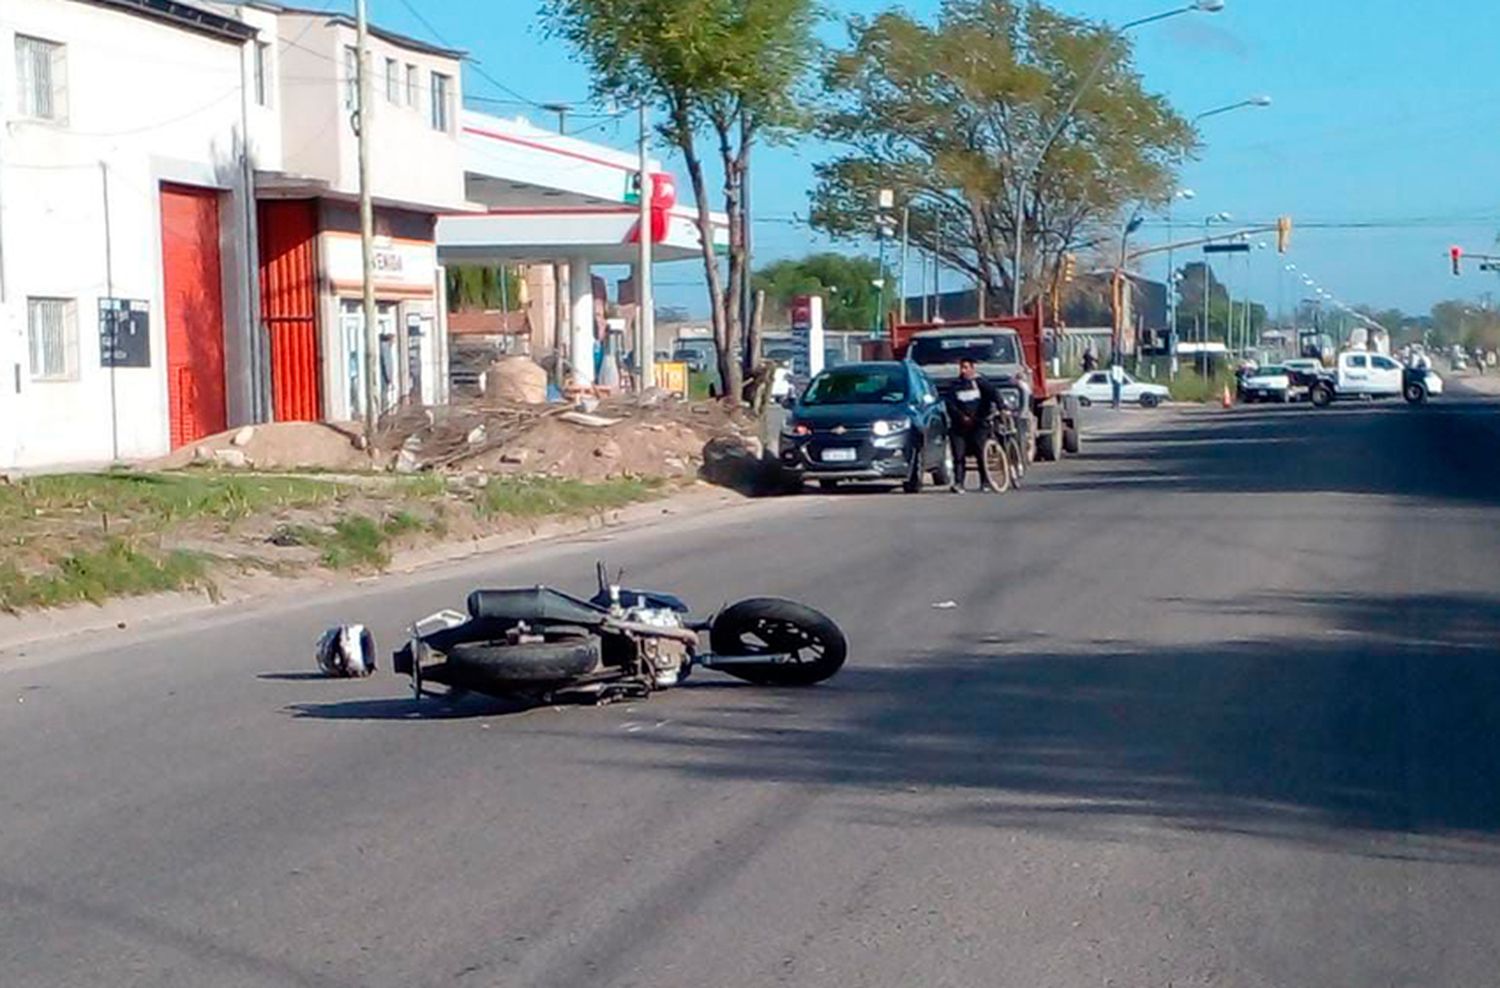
(890, 427)
(1011, 399)
(796, 429)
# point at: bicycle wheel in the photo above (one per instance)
(997, 464)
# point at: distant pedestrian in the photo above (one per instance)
(1090, 359)
(1116, 382)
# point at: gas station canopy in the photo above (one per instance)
(540, 197)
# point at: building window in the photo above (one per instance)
(52, 328)
(262, 70)
(411, 85)
(351, 78)
(440, 84)
(41, 79)
(392, 80)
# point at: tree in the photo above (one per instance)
(727, 69)
(1190, 290)
(475, 287)
(950, 115)
(850, 298)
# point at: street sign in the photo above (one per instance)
(633, 188)
(1226, 248)
(1490, 266)
(124, 333)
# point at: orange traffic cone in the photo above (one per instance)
(1227, 400)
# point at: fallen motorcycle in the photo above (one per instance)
(545, 645)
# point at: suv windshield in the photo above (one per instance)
(857, 386)
(981, 348)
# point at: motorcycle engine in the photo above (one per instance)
(670, 660)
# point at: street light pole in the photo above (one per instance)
(645, 321)
(1172, 279)
(1024, 176)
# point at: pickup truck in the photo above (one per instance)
(1358, 374)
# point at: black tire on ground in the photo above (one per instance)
(1321, 395)
(1072, 437)
(770, 624)
(828, 484)
(1084, 402)
(1149, 400)
(1414, 393)
(1049, 434)
(915, 476)
(478, 663)
(997, 464)
(943, 475)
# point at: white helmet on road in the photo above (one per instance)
(347, 652)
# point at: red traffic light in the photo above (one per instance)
(1456, 254)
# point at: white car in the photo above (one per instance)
(1095, 386)
(1269, 383)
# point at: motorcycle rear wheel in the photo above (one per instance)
(763, 625)
(496, 664)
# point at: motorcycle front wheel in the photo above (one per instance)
(770, 625)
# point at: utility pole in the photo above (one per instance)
(645, 321)
(373, 393)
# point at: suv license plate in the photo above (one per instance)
(838, 456)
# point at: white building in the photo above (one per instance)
(132, 130)
(122, 176)
(307, 187)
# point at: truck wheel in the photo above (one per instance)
(1072, 438)
(1321, 395)
(1049, 435)
(1414, 393)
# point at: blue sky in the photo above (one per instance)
(1385, 112)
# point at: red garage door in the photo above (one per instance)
(194, 312)
(289, 305)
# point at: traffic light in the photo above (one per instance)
(1069, 268)
(1283, 234)
(1456, 254)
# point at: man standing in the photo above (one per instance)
(970, 404)
(1116, 381)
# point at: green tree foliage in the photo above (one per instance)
(850, 298)
(476, 287)
(949, 114)
(727, 71)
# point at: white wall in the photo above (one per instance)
(410, 163)
(154, 103)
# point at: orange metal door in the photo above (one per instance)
(289, 305)
(194, 310)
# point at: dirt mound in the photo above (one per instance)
(276, 446)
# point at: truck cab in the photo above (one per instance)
(1009, 352)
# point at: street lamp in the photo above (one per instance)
(1207, 282)
(1028, 173)
(1172, 276)
(1254, 101)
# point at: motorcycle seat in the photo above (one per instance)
(534, 605)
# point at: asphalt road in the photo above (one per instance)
(1217, 704)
